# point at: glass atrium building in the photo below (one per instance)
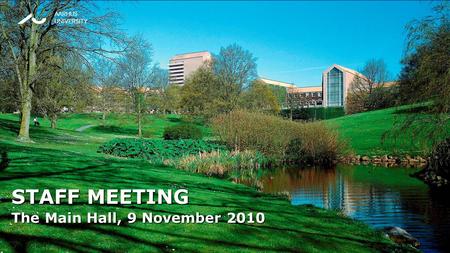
(336, 81)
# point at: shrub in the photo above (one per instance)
(319, 144)
(278, 139)
(294, 151)
(380, 98)
(383, 97)
(185, 131)
(440, 159)
(222, 163)
(243, 130)
(157, 151)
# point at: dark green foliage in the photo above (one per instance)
(294, 151)
(381, 98)
(280, 93)
(185, 131)
(440, 159)
(318, 113)
(157, 151)
(425, 76)
(425, 73)
(259, 97)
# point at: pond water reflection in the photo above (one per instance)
(376, 195)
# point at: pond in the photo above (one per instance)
(377, 196)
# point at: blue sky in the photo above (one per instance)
(294, 41)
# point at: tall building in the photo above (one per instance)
(336, 83)
(182, 65)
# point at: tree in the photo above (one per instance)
(50, 99)
(355, 102)
(425, 76)
(235, 69)
(67, 85)
(9, 100)
(172, 98)
(201, 94)
(217, 87)
(107, 86)
(260, 97)
(166, 97)
(373, 77)
(29, 42)
(134, 71)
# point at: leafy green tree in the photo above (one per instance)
(217, 87)
(260, 97)
(200, 94)
(425, 77)
(172, 98)
(280, 93)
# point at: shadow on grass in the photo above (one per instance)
(4, 161)
(413, 109)
(11, 127)
(175, 120)
(113, 130)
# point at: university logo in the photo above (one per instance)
(30, 16)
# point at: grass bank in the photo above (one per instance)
(64, 158)
(364, 131)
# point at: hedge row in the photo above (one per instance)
(314, 113)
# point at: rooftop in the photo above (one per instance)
(204, 54)
(277, 83)
(305, 89)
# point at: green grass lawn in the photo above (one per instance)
(64, 158)
(363, 133)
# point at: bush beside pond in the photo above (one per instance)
(278, 139)
(437, 173)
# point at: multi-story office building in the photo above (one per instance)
(182, 65)
(336, 83)
(300, 97)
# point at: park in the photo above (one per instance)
(103, 150)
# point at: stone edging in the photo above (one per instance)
(385, 160)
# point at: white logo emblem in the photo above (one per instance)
(39, 22)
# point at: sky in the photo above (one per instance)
(293, 41)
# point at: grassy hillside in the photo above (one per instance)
(65, 158)
(364, 131)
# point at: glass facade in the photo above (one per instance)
(335, 88)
